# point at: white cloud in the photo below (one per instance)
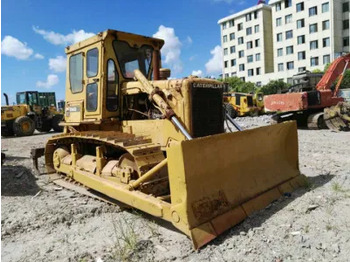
(189, 40)
(11, 46)
(38, 56)
(197, 73)
(214, 65)
(171, 49)
(58, 64)
(50, 81)
(59, 39)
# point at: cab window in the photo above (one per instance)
(112, 84)
(92, 62)
(91, 97)
(32, 99)
(131, 58)
(21, 98)
(76, 73)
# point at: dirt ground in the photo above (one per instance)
(43, 222)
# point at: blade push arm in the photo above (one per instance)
(155, 96)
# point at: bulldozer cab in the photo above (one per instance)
(98, 67)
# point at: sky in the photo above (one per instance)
(34, 34)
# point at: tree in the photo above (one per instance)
(237, 85)
(274, 87)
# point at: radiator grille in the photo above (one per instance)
(207, 111)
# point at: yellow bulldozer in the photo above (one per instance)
(159, 144)
(34, 110)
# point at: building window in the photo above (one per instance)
(241, 67)
(279, 37)
(232, 49)
(301, 23)
(325, 25)
(314, 61)
(279, 21)
(289, 50)
(288, 19)
(257, 57)
(248, 17)
(280, 52)
(345, 24)
(225, 51)
(290, 65)
(346, 41)
(289, 34)
(240, 54)
(233, 62)
(302, 69)
(225, 64)
(232, 36)
(301, 55)
(301, 39)
(226, 75)
(300, 7)
(223, 25)
(255, 14)
(250, 45)
(250, 58)
(278, 7)
(326, 59)
(240, 26)
(326, 42)
(313, 28)
(313, 11)
(314, 44)
(231, 23)
(224, 38)
(346, 7)
(240, 40)
(280, 67)
(258, 84)
(233, 73)
(287, 3)
(248, 30)
(257, 42)
(242, 78)
(325, 7)
(258, 71)
(250, 72)
(256, 28)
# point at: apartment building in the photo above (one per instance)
(305, 35)
(247, 43)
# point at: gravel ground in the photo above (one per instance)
(43, 222)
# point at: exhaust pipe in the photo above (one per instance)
(6, 99)
(156, 64)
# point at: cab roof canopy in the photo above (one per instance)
(132, 39)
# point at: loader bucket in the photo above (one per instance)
(217, 181)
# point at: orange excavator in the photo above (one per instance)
(319, 108)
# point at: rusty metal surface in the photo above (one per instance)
(286, 102)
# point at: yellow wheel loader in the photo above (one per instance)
(159, 145)
(240, 104)
(34, 110)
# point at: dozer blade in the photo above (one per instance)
(217, 181)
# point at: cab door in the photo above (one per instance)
(92, 82)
